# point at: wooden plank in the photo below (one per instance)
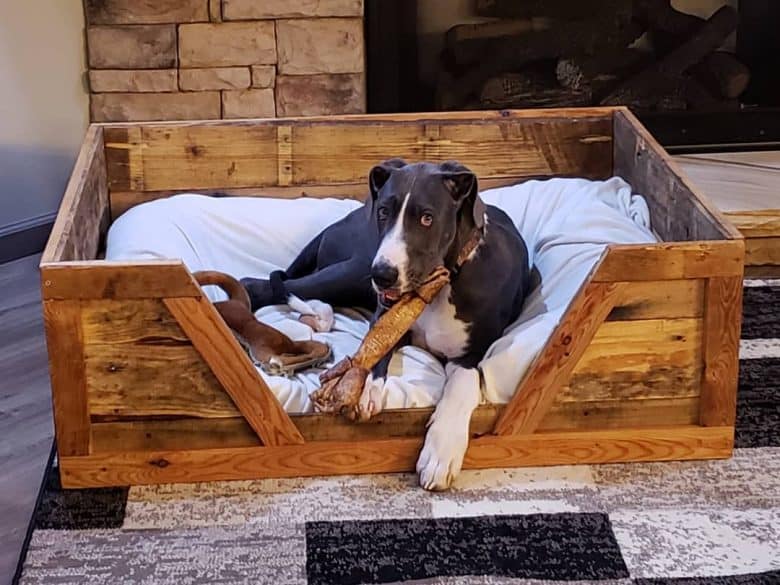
(124, 159)
(121, 201)
(762, 251)
(625, 360)
(68, 380)
(139, 363)
(762, 223)
(193, 156)
(600, 112)
(675, 261)
(393, 455)
(212, 433)
(762, 271)
(176, 434)
(723, 321)
(505, 148)
(83, 215)
(678, 210)
(539, 388)
(119, 322)
(117, 280)
(199, 433)
(671, 299)
(160, 377)
(232, 367)
(284, 156)
(620, 414)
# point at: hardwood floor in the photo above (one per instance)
(25, 409)
(733, 181)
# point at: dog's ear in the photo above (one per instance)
(377, 179)
(381, 173)
(462, 184)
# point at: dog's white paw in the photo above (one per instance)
(371, 399)
(441, 458)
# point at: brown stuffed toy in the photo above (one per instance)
(343, 383)
(271, 349)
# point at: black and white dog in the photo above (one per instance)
(420, 216)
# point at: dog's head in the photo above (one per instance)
(420, 209)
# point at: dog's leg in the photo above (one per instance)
(448, 429)
(306, 261)
(342, 284)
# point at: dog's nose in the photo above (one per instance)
(384, 275)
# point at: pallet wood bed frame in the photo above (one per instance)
(150, 386)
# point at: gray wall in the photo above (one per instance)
(43, 106)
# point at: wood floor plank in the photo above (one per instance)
(26, 429)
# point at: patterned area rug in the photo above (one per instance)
(681, 523)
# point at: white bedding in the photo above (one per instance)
(565, 222)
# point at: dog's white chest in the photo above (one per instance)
(437, 329)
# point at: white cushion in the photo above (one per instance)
(566, 224)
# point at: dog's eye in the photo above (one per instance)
(382, 213)
(426, 219)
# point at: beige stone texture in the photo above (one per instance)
(320, 45)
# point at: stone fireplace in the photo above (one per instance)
(211, 59)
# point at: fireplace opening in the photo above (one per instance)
(699, 73)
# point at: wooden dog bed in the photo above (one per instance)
(149, 385)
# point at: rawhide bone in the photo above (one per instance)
(271, 349)
(343, 383)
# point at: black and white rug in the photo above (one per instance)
(677, 523)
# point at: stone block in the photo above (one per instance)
(320, 45)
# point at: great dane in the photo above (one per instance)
(417, 217)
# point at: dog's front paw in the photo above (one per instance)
(371, 399)
(441, 457)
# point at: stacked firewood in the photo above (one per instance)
(557, 53)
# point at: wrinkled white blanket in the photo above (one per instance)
(565, 222)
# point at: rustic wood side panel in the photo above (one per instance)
(670, 299)
(539, 388)
(140, 365)
(232, 367)
(393, 455)
(635, 360)
(83, 215)
(64, 339)
(342, 149)
(678, 211)
(723, 321)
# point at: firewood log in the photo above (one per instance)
(600, 74)
(722, 74)
(658, 76)
(521, 90)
